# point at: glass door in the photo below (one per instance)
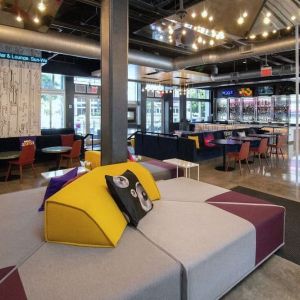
(87, 115)
(154, 115)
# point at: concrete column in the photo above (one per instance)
(143, 107)
(114, 68)
(70, 91)
(182, 105)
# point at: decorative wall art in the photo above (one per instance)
(20, 95)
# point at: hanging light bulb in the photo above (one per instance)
(36, 20)
(183, 32)
(245, 14)
(211, 42)
(265, 34)
(288, 28)
(193, 15)
(274, 31)
(211, 18)
(204, 42)
(19, 18)
(41, 6)
(268, 15)
(200, 39)
(194, 46)
(267, 20)
(293, 18)
(252, 37)
(204, 13)
(240, 20)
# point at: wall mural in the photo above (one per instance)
(20, 95)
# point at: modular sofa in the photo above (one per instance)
(197, 243)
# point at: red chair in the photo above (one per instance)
(261, 149)
(207, 140)
(280, 144)
(72, 155)
(26, 158)
(243, 154)
(67, 140)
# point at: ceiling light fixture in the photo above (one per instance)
(265, 34)
(267, 20)
(288, 28)
(293, 18)
(193, 15)
(240, 20)
(200, 39)
(204, 13)
(204, 42)
(36, 20)
(245, 14)
(268, 14)
(183, 32)
(41, 6)
(211, 18)
(274, 31)
(194, 46)
(211, 42)
(252, 37)
(19, 18)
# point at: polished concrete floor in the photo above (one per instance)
(277, 279)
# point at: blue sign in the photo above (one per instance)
(228, 92)
(25, 58)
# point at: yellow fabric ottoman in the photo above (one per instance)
(84, 213)
(94, 157)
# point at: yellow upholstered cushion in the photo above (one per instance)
(94, 157)
(196, 139)
(84, 213)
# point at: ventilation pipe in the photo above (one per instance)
(76, 46)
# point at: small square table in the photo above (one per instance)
(187, 165)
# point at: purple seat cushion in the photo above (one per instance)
(56, 184)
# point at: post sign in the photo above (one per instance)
(266, 71)
(25, 58)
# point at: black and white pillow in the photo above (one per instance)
(130, 196)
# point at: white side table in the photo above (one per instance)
(57, 173)
(187, 165)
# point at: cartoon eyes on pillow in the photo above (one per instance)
(121, 182)
(143, 198)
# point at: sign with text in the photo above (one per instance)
(25, 58)
(266, 71)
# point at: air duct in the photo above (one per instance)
(76, 46)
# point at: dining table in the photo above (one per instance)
(6, 156)
(58, 150)
(225, 143)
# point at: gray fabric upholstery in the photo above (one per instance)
(216, 248)
(21, 225)
(135, 269)
(185, 189)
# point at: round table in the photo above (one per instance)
(9, 155)
(224, 143)
(245, 138)
(58, 150)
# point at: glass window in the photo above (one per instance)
(87, 81)
(197, 111)
(132, 91)
(176, 111)
(52, 81)
(198, 94)
(52, 111)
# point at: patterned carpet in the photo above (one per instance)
(291, 250)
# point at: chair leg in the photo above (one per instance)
(267, 159)
(281, 153)
(8, 172)
(248, 165)
(21, 173)
(33, 169)
(259, 158)
(240, 164)
(60, 161)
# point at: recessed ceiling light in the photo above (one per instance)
(240, 20)
(211, 18)
(19, 18)
(245, 14)
(289, 28)
(265, 34)
(183, 32)
(267, 20)
(268, 14)
(36, 20)
(252, 36)
(193, 15)
(274, 31)
(293, 18)
(211, 42)
(204, 13)
(41, 6)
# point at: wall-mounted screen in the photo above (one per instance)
(265, 90)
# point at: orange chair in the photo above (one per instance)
(261, 149)
(73, 154)
(243, 154)
(274, 148)
(26, 158)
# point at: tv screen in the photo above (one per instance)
(265, 90)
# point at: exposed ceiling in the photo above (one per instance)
(82, 18)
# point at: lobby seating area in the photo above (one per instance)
(149, 150)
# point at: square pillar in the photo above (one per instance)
(114, 77)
